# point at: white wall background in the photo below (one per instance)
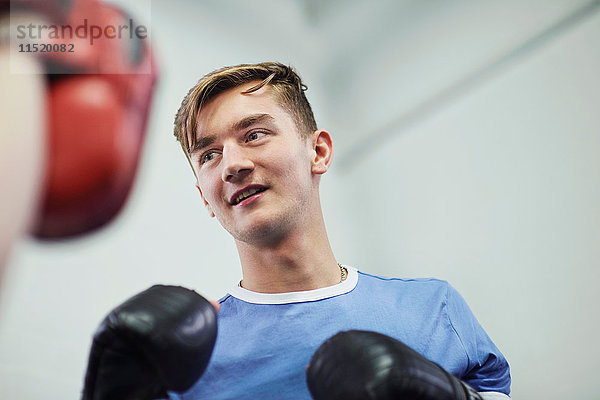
(467, 137)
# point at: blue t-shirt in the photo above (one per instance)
(265, 341)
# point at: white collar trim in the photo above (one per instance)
(298, 297)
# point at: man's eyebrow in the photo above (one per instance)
(237, 126)
(250, 120)
(202, 143)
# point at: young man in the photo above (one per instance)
(250, 136)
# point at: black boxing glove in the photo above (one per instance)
(362, 365)
(157, 341)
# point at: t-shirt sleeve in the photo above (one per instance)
(488, 369)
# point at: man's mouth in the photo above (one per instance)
(245, 193)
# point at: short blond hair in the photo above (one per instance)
(287, 87)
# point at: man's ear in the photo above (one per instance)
(208, 207)
(322, 145)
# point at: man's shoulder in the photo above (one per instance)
(224, 298)
(415, 290)
(432, 283)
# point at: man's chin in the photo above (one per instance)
(264, 232)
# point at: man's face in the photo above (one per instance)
(253, 168)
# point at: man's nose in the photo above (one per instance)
(236, 163)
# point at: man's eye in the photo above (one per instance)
(254, 136)
(207, 156)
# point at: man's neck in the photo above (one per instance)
(303, 260)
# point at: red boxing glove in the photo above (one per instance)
(99, 97)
